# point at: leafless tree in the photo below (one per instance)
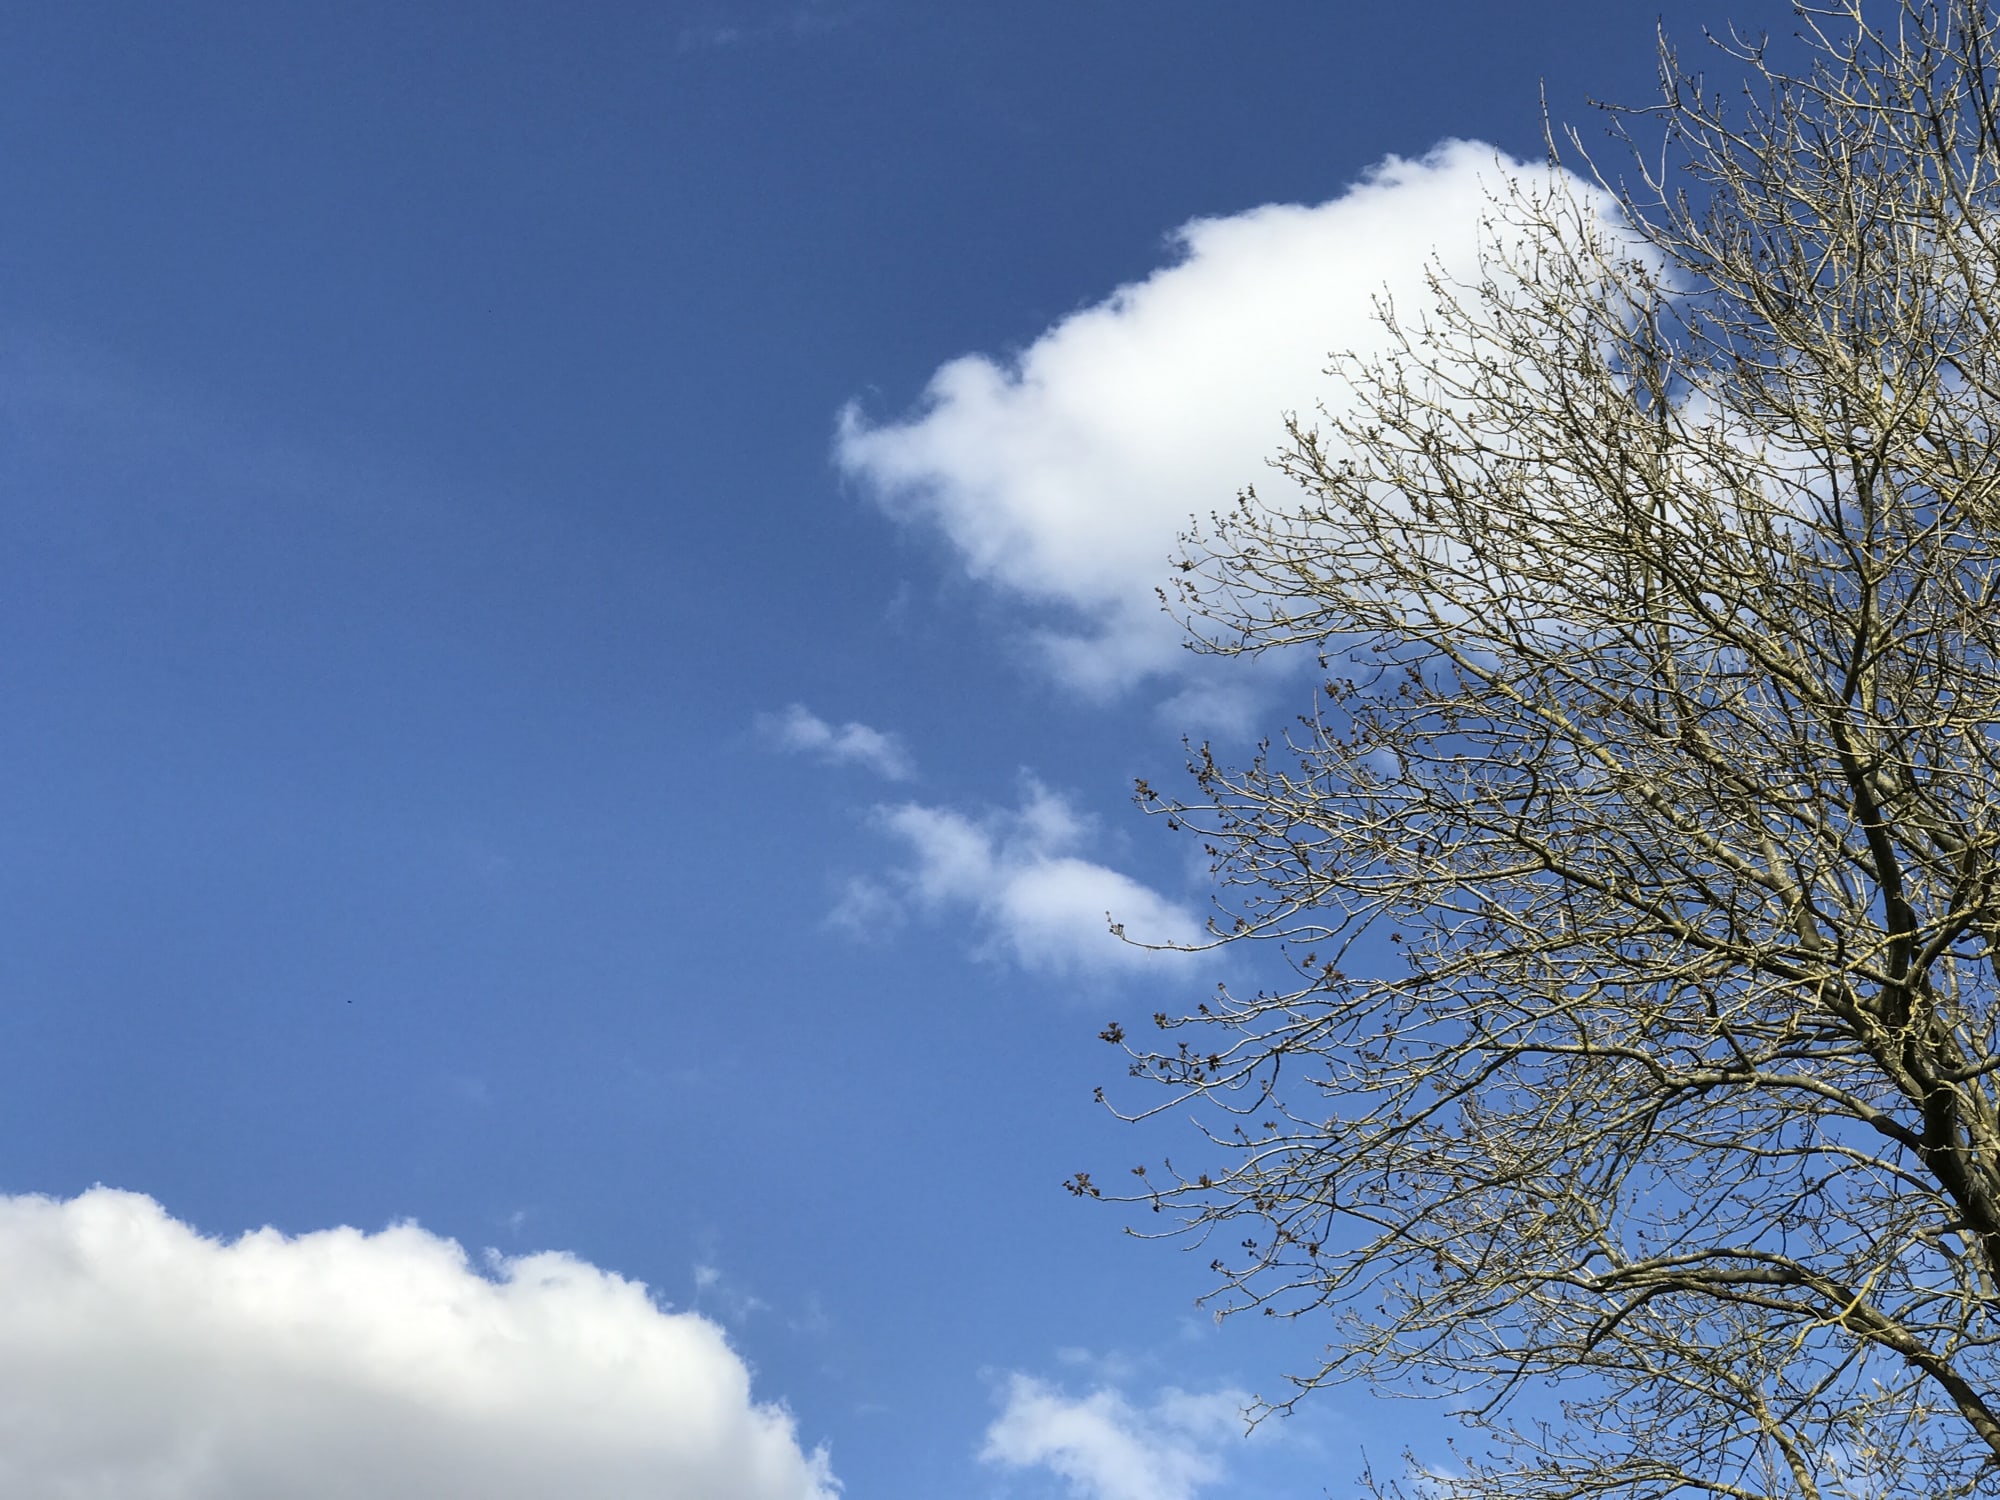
(1637, 877)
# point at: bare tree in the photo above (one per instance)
(1638, 876)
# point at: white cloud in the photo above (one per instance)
(799, 729)
(142, 1361)
(1017, 874)
(1108, 1449)
(1065, 474)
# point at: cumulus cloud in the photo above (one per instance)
(141, 1360)
(1065, 473)
(1018, 874)
(801, 730)
(1108, 1449)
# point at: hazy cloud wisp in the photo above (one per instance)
(801, 730)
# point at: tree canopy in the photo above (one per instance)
(1637, 873)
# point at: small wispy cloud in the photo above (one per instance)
(794, 23)
(719, 1294)
(1019, 875)
(800, 730)
(1107, 1448)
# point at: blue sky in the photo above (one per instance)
(575, 585)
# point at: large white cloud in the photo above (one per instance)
(1030, 894)
(1065, 474)
(1106, 1448)
(141, 1361)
